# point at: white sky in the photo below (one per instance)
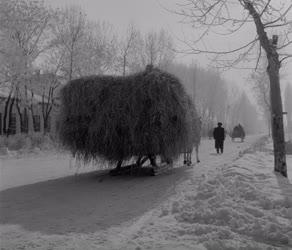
(149, 15)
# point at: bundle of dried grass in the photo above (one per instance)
(116, 118)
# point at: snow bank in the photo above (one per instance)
(244, 206)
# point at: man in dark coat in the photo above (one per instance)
(219, 136)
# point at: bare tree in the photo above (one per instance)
(155, 48)
(86, 47)
(228, 17)
(99, 49)
(23, 28)
(47, 88)
(69, 32)
(158, 49)
(127, 46)
(137, 50)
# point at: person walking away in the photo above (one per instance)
(219, 136)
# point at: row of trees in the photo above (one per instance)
(65, 45)
(216, 100)
(269, 24)
(85, 47)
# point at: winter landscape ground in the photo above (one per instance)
(229, 201)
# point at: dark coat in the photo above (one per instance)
(219, 134)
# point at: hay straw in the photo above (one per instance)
(117, 118)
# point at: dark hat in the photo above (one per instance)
(219, 124)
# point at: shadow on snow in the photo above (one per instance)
(85, 203)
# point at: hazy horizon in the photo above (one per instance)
(152, 15)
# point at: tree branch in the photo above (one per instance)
(281, 16)
(265, 8)
(198, 51)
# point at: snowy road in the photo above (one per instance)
(229, 201)
(31, 169)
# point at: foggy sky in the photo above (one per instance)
(148, 15)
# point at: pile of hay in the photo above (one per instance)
(116, 118)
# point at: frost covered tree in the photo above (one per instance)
(98, 49)
(49, 82)
(24, 26)
(128, 47)
(84, 47)
(23, 33)
(154, 48)
(159, 48)
(69, 32)
(267, 20)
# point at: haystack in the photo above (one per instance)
(116, 118)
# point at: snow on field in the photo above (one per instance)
(229, 201)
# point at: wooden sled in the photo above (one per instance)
(134, 170)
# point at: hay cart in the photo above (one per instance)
(144, 116)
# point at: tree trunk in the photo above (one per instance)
(289, 124)
(269, 126)
(290, 128)
(45, 115)
(270, 47)
(5, 116)
(32, 116)
(277, 116)
(27, 107)
(9, 116)
(46, 125)
(21, 120)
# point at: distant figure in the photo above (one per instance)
(219, 136)
(238, 132)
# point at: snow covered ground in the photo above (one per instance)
(229, 201)
(23, 170)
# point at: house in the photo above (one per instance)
(30, 107)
